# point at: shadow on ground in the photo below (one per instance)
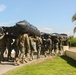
(7, 63)
(69, 60)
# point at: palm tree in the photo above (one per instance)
(74, 19)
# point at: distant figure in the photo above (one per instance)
(49, 45)
(27, 46)
(60, 44)
(38, 46)
(56, 40)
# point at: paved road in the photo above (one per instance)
(6, 66)
(73, 49)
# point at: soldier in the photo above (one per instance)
(38, 46)
(65, 41)
(60, 44)
(9, 47)
(21, 44)
(16, 48)
(69, 42)
(31, 39)
(44, 46)
(27, 46)
(49, 45)
(22, 48)
(3, 42)
(56, 40)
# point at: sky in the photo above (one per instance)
(50, 16)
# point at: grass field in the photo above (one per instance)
(49, 66)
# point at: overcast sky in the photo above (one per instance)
(47, 15)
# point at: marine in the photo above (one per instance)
(38, 45)
(49, 45)
(3, 41)
(32, 49)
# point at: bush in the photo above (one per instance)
(72, 41)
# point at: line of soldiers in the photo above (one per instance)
(24, 46)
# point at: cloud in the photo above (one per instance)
(46, 30)
(69, 33)
(4, 23)
(10, 23)
(49, 30)
(2, 7)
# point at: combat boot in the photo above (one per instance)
(32, 57)
(18, 62)
(23, 61)
(15, 63)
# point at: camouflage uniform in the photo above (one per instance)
(65, 41)
(60, 44)
(16, 48)
(3, 42)
(22, 48)
(22, 45)
(38, 46)
(56, 41)
(27, 46)
(31, 39)
(69, 42)
(44, 46)
(49, 46)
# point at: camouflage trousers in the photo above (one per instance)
(45, 50)
(38, 51)
(22, 54)
(49, 49)
(55, 48)
(31, 54)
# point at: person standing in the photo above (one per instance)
(31, 39)
(9, 47)
(60, 44)
(27, 46)
(56, 41)
(38, 46)
(49, 45)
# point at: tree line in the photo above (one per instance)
(72, 41)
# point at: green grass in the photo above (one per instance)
(55, 66)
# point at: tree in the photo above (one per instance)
(74, 19)
(72, 41)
